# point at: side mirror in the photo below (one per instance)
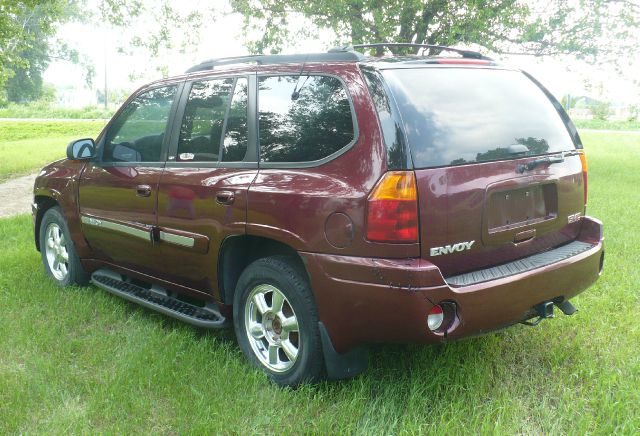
(81, 149)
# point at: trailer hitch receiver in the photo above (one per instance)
(544, 310)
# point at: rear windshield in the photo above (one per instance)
(455, 116)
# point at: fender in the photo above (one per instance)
(284, 236)
(59, 182)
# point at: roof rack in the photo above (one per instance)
(464, 53)
(331, 56)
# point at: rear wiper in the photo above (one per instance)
(517, 149)
(540, 161)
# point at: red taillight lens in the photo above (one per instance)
(583, 161)
(392, 209)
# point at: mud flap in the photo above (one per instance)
(342, 366)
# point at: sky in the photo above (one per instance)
(225, 37)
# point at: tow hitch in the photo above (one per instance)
(544, 310)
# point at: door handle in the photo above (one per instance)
(143, 190)
(225, 197)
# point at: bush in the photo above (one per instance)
(607, 125)
(43, 109)
(600, 110)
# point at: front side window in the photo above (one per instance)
(302, 118)
(137, 134)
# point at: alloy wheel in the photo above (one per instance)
(272, 328)
(56, 251)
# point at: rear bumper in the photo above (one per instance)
(364, 300)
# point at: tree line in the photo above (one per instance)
(590, 30)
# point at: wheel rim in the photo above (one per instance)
(56, 251)
(271, 326)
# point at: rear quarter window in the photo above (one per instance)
(455, 116)
(309, 126)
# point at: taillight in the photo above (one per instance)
(392, 209)
(583, 161)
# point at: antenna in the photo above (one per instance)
(296, 92)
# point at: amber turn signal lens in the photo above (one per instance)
(583, 161)
(396, 185)
(392, 209)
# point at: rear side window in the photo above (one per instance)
(455, 116)
(215, 106)
(203, 120)
(303, 118)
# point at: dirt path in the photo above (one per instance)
(16, 196)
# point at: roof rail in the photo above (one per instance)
(331, 56)
(464, 53)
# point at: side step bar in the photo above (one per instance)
(156, 298)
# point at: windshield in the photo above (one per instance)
(455, 116)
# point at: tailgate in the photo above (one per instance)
(472, 219)
(498, 173)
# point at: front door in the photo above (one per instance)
(118, 192)
(203, 191)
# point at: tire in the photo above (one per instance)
(59, 255)
(289, 352)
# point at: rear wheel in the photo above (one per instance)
(276, 322)
(58, 253)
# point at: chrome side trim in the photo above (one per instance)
(184, 241)
(122, 228)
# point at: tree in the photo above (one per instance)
(553, 27)
(25, 29)
(28, 27)
(165, 27)
(601, 110)
(26, 82)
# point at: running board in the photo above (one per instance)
(156, 298)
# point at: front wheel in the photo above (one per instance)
(276, 321)
(58, 253)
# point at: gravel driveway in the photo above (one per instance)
(16, 196)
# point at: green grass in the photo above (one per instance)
(82, 361)
(27, 146)
(44, 110)
(607, 125)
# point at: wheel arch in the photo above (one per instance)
(238, 252)
(44, 203)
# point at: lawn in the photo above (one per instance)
(82, 361)
(26, 146)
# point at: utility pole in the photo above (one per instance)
(104, 45)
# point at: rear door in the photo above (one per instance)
(203, 190)
(118, 192)
(472, 131)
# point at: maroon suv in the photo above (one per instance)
(326, 201)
